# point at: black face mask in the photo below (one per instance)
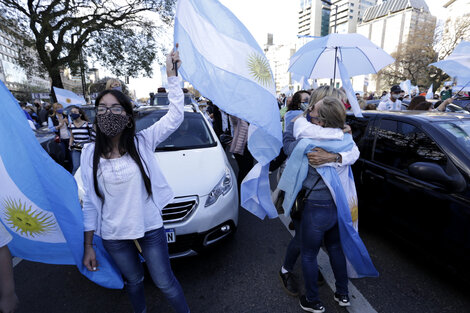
(400, 98)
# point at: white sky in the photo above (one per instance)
(261, 17)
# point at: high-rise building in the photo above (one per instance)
(391, 23)
(314, 16)
(346, 14)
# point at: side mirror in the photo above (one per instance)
(431, 172)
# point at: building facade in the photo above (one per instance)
(314, 17)
(279, 58)
(346, 14)
(388, 25)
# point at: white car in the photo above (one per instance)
(205, 207)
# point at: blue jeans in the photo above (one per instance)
(75, 160)
(320, 222)
(293, 249)
(155, 251)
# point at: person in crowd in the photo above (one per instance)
(384, 96)
(114, 84)
(316, 157)
(125, 191)
(320, 217)
(239, 148)
(391, 104)
(81, 132)
(216, 117)
(446, 93)
(59, 123)
(8, 298)
(297, 106)
(402, 95)
(358, 96)
(424, 106)
(370, 106)
(415, 101)
(42, 114)
(362, 104)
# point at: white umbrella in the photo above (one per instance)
(457, 64)
(316, 59)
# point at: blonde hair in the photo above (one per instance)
(55, 107)
(322, 92)
(332, 112)
(112, 81)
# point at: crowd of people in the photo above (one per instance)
(119, 171)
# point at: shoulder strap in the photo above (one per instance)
(311, 189)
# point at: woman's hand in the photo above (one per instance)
(347, 129)
(318, 156)
(89, 259)
(171, 58)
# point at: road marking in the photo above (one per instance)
(359, 303)
(16, 261)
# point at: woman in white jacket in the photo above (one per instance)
(125, 191)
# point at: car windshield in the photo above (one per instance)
(460, 131)
(193, 133)
(162, 99)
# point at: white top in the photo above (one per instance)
(146, 141)
(128, 211)
(5, 236)
(305, 129)
(389, 105)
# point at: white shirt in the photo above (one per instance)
(146, 141)
(389, 105)
(128, 211)
(5, 236)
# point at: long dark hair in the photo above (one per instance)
(296, 100)
(126, 142)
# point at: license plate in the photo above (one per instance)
(170, 235)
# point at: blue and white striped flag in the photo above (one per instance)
(39, 203)
(224, 62)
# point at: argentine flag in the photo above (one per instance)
(67, 97)
(224, 62)
(39, 203)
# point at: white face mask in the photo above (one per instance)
(395, 96)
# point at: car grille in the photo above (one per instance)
(179, 209)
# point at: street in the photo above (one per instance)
(241, 276)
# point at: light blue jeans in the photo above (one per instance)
(155, 251)
(75, 160)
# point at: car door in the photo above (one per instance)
(419, 210)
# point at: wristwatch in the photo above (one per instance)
(338, 157)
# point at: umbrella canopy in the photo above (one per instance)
(457, 64)
(317, 58)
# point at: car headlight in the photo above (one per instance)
(222, 188)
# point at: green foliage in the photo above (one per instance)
(118, 34)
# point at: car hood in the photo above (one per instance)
(192, 172)
(188, 172)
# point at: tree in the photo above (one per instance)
(118, 34)
(412, 58)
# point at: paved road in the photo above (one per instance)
(241, 276)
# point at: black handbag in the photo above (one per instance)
(298, 206)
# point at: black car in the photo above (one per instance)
(413, 178)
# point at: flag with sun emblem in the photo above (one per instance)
(223, 61)
(39, 203)
(67, 97)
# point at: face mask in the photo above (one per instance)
(60, 111)
(303, 106)
(112, 124)
(118, 88)
(401, 98)
(395, 96)
(74, 116)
